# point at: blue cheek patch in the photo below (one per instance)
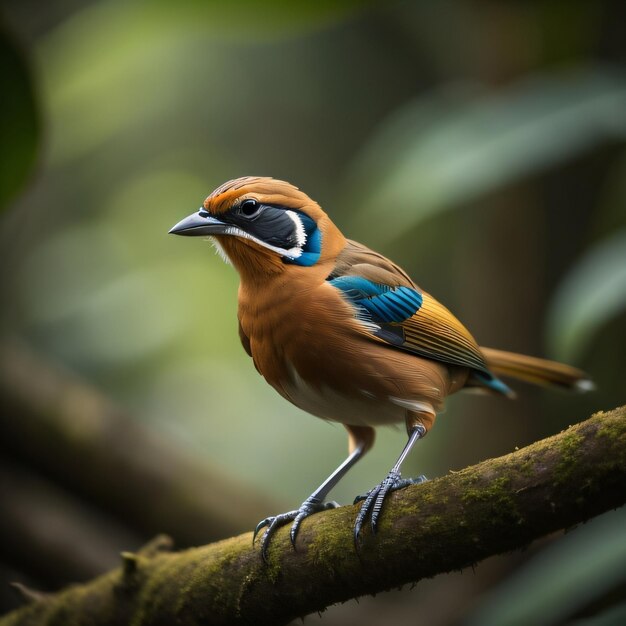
(382, 303)
(313, 246)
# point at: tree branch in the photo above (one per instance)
(447, 524)
(84, 542)
(70, 432)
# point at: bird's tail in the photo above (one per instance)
(537, 371)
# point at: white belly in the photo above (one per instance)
(357, 407)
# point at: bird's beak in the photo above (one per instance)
(200, 223)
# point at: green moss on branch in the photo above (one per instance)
(446, 524)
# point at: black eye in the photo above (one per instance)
(249, 208)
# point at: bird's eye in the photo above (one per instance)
(250, 208)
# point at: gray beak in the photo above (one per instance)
(200, 223)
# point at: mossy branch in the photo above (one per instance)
(446, 524)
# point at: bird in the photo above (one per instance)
(344, 333)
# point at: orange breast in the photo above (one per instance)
(307, 344)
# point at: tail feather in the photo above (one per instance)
(534, 370)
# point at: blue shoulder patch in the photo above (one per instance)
(383, 304)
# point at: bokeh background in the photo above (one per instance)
(481, 145)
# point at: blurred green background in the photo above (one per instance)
(481, 145)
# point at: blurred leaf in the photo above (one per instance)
(90, 311)
(143, 63)
(454, 146)
(124, 300)
(611, 617)
(563, 579)
(593, 292)
(257, 20)
(19, 119)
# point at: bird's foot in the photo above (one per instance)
(308, 507)
(375, 498)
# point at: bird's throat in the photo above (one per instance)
(253, 262)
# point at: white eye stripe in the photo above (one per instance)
(292, 253)
(300, 232)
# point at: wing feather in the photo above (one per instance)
(434, 332)
(394, 309)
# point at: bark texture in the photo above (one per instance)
(447, 524)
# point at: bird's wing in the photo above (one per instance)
(395, 310)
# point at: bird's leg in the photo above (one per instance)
(374, 499)
(313, 504)
(361, 439)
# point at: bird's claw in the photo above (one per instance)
(273, 523)
(374, 499)
(308, 507)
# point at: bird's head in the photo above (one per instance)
(263, 226)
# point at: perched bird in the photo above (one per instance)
(344, 333)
